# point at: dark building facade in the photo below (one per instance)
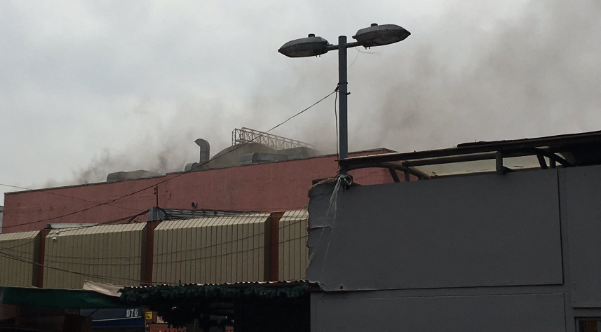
(499, 251)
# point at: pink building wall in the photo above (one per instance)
(277, 186)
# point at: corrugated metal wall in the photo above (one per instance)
(111, 253)
(18, 253)
(293, 250)
(210, 250)
(216, 249)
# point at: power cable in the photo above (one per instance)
(174, 176)
(370, 53)
(222, 254)
(336, 121)
(356, 56)
(57, 194)
(72, 229)
(19, 259)
(158, 254)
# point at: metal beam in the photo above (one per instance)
(553, 142)
(412, 171)
(541, 160)
(395, 177)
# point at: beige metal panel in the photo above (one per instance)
(16, 260)
(284, 248)
(249, 247)
(293, 251)
(245, 250)
(106, 253)
(214, 245)
(220, 231)
(159, 256)
(281, 252)
(187, 259)
(259, 257)
(49, 264)
(202, 261)
(211, 249)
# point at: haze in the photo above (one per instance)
(91, 87)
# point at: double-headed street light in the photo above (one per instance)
(375, 35)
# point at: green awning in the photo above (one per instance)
(58, 298)
(149, 295)
(179, 305)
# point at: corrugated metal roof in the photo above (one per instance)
(580, 149)
(102, 229)
(107, 253)
(18, 252)
(211, 249)
(235, 284)
(18, 236)
(295, 215)
(293, 251)
(213, 221)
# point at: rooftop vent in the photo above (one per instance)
(134, 175)
(205, 155)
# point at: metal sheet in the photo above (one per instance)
(107, 253)
(211, 249)
(581, 196)
(471, 231)
(18, 253)
(293, 251)
(491, 313)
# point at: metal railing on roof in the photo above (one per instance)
(246, 135)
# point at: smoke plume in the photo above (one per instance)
(533, 73)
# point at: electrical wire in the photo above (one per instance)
(370, 53)
(174, 176)
(57, 194)
(222, 253)
(22, 260)
(356, 56)
(72, 229)
(242, 217)
(336, 121)
(368, 174)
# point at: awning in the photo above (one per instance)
(58, 298)
(182, 304)
(148, 295)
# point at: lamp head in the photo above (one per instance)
(305, 47)
(379, 35)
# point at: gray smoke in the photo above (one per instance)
(531, 74)
(165, 148)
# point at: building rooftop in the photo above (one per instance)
(569, 150)
(361, 152)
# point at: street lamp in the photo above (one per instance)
(375, 35)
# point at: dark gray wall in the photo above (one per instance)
(582, 197)
(469, 231)
(490, 313)
(513, 252)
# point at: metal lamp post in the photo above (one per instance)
(375, 35)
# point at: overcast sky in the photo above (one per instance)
(90, 87)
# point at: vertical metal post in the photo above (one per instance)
(272, 246)
(148, 253)
(342, 90)
(499, 162)
(39, 258)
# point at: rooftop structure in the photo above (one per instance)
(246, 135)
(570, 150)
(258, 187)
